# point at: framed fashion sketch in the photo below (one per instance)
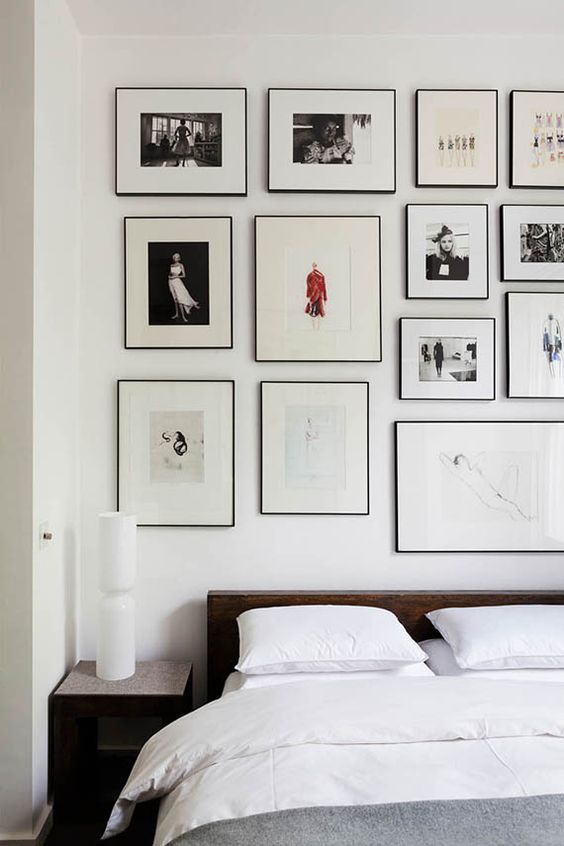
(176, 452)
(480, 486)
(355, 128)
(447, 250)
(456, 138)
(534, 345)
(181, 141)
(318, 288)
(532, 243)
(314, 448)
(178, 286)
(537, 139)
(445, 358)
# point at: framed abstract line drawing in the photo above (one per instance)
(532, 243)
(456, 138)
(537, 139)
(176, 452)
(181, 141)
(445, 358)
(314, 448)
(447, 251)
(480, 486)
(535, 323)
(355, 128)
(318, 288)
(178, 285)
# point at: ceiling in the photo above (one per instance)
(318, 17)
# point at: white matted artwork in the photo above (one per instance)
(479, 486)
(456, 138)
(354, 128)
(314, 452)
(175, 452)
(535, 323)
(532, 243)
(537, 139)
(318, 288)
(447, 251)
(447, 358)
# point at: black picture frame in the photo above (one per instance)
(513, 182)
(508, 351)
(503, 250)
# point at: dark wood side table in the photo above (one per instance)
(160, 689)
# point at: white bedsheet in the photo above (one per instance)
(349, 743)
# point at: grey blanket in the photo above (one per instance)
(526, 821)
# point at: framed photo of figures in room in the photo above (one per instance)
(314, 448)
(178, 282)
(181, 141)
(535, 368)
(318, 288)
(176, 452)
(537, 139)
(532, 243)
(311, 128)
(457, 138)
(479, 486)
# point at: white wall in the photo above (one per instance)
(178, 566)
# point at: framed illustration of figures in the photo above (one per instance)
(445, 358)
(309, 127)
(181, 141)
(318, 288)
(456, 138)
(447, 251)
(537, 139)
(178, 286)
(314, 448)
(176, 452)
(480, 486)
(532, 243)
(535, 323)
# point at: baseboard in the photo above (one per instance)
(35, 838)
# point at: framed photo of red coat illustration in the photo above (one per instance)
(318, 288)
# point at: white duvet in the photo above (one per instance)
(346, 743)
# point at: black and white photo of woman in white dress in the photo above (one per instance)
(183, 302)
(178, 283)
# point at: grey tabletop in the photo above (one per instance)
(152, 678)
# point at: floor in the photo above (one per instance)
(453, 370)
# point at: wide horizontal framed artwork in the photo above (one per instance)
(537, 139)
(318, 288)
(445, 358)
(532, 243)
(457, 138)
(178, 282)
(176, 452)
(353, 128)
(314, 448)
(447, 251)
(535, 322)
(479, 486)
(181, 141)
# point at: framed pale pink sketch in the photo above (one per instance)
(537, 139)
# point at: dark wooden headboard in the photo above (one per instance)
(409, 606)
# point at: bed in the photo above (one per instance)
(401, 762)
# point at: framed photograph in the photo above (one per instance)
(534, 346)
(480, 486)
(537, 139)
(318, 288)
(456, 138)
(181, 141)
(532, 243)
(176, 452)
(444, 358)
(323, 126)
(314, 448)
(178, 286)
(447, 252)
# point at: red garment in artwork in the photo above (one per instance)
(316, 292)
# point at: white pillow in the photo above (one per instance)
(323, 639)
(503, 636)
(442, 663)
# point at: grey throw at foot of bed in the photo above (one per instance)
(523, 821)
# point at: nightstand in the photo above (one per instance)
(160, 689)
